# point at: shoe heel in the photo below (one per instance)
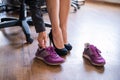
(50, 38)
(50, 42)
(60, 52)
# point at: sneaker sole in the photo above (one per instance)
(48, 62)
(87, 57)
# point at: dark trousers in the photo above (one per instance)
(36, 14)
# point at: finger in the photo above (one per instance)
(45, 41)
(41, 43)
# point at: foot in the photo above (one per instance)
(60, 51)
(49, 56)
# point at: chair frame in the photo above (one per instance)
(23, 21)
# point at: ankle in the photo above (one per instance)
(58, 41)
(65, 43)
(58, 44)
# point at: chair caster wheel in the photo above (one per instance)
(78, 7)
(75, 10)
(29, 41)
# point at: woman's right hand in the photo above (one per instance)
(42, 39)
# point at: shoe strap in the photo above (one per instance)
(94, 50)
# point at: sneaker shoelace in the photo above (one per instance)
(96, 51)
(52, 51)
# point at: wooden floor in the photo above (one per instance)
(95, 23)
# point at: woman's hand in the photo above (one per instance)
(42, 39)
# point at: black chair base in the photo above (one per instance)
(23, 21)
(12, 22)
(76, 4)
(24, 24)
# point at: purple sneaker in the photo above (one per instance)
(49, 56)
(93, 55)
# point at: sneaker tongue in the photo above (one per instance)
(94, 50)
(51, 51)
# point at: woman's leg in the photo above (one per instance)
(53, 10)
(64, 11)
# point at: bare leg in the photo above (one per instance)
(64, 11)
(53, 10)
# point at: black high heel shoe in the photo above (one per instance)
(68, 46)
(60, 52)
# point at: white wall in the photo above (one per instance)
(114, 1)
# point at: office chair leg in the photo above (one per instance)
(10, 22)
(26, 31)
(8, 19)
(24, 24)
(75, 7)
